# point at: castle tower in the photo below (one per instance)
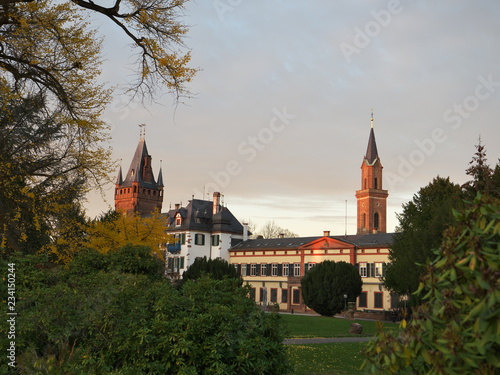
(372, 199)
(139, 192)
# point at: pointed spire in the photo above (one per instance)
(160, 177)
(119, 179)
(371, 151)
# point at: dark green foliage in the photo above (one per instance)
(420, 230)
(133, 259)
(216, 269)
(324, 286)
(91, 318)
(485, 180)
(456, 330)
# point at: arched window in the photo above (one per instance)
(364, 183)
(375, 220)
(375, 183)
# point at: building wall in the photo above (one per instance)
(269, 288)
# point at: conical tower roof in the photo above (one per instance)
(371, 151)
(140, 168)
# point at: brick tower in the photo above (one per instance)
(372, 200)
(139, 192)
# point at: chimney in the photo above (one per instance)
(245, 231)
(326, 233)
(282, 235)
(177, 206)
(216, 205)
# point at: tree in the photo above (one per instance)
(90, 317)
(455, 331)
(421, 226)
(324, 286)
(49, 45)
(53, 142)
(485, 180)
(272, 230)
(45, 168)
(217, 269)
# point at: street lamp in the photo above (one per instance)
(345, 302)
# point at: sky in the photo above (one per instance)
(280, 116)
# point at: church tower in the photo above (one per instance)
(372, 199)
(139, 192)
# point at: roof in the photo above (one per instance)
(362, 241)
(371, 151)
(140, 168)
(198, 215)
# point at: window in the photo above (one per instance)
(284, 295)
(263, 269)
(362, 270)
(375, 220)
(362, 299)
(252, 294)
(286, 269)
(296, 269)
(243, 270)
(183, 238)
(178, 220)
(274, 295)
(309, 266)
(274, 269)
(253, 270)
(215, 240)
(296, 296)
(199, 239)
(394, 301)
(181, 264)
(379, 269)
(379, 301)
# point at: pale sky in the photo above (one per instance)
(281, 116)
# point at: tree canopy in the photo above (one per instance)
(217, 269)
(455, 330)
(421, 226)
(114, 314)
(324, 286)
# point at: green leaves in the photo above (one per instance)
(457, 327)
(324, 286)
(91, 318)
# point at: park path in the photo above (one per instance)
(325, 340)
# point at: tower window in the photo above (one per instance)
(364, 187)
(375, 220)
(375, 183)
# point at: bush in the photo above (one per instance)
(105, 321)
(324, 286)
(455, 331)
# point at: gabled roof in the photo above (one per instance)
(198, 215)
(360, 241)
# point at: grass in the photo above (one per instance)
(327, 359)
(303, 326)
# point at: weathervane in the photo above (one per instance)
(142, 130)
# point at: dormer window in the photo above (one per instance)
(178, 220)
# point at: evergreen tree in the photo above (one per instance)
(421, 226)
(324, 286)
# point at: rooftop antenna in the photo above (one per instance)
(142, 131)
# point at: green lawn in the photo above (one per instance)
(327, 359)
(322, 326)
